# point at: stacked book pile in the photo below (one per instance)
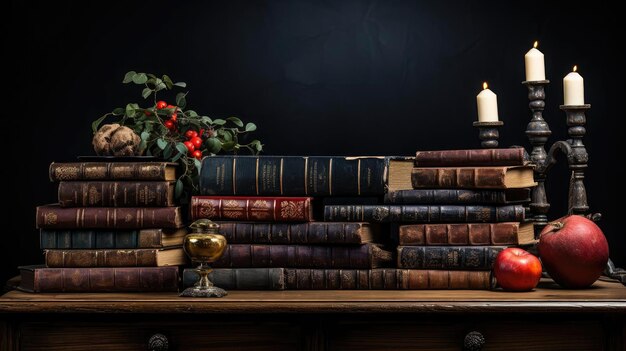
(116, 227)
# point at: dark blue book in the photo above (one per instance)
(110, 239)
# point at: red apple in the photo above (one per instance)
(517, 270)
(574, 251)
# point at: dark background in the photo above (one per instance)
(317, 77)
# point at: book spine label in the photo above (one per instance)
(448, 257)
(285, 209)
(446, 197)
(292, 176)
(468, 158)
(116, 194)
(296, 233)
(424, 214)
(241, 278)
(106, 279)
(414, 279)
(295, 256)
(101, 258)
(100, 239)
(108, 170)
(459, 234)
(55, 217)
(475, 178)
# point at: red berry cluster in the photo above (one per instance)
(170, 123)
(194, 143)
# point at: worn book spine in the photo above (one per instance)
(424, 214)
(471, 158)
(101, 258)
(464, 177)
(116, 194)
(126, 279)
(459, 234)
(457, 196)
(56, 217)
(300, 256)
(292, 176)
(342, 279)
(295, 233)
(448, 257)
(242, 208)
(110, 171)
(100, 239)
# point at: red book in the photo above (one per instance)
(252, 208)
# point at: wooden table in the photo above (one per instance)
(548, 318)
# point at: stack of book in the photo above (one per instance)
(116, 227)
(267, 205)
(456, 210)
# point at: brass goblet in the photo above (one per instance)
(204, 245)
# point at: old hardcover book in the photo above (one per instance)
(111, 239)
(57, 217)
(448, 257)
(66, 171)
(424, 213)
(470, 158)
(39, 279)
(303, 256)
(116, 194)
(252, 208)
(297, 233)
(115, 258)
(342, 279)
(510, 233)
(473, 178)
(458, 196)
(398, 173)
(292, 175)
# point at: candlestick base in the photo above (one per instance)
(488, 133)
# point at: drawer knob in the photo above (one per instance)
(158, 342)
(474, 341)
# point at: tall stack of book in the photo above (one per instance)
(116, 227)
(267, 205)
(459, 208)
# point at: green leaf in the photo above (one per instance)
(191, 113)
(168, 81)
(181, 148)
(226, 134)
(143, 145)
(206, 120)
(219, 122)
(229, 146)
(161, 143)
(250, 127)
(96, 124)
(118, 111)
(128, 77)
(181, 84)
(130, 110)
(151, 75)
(236, 121)
(213, 145)
(145, 136)
(159, 85)
(178, 189)
(256, 144)
(146, 92)
(167, 153)
(180, 100)
(140, 78)
(198, 164)
(176, 157)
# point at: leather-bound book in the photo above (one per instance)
(337, 233)
(70, 171)
(448, 257)
(473, 178)
(115, 258)
(476, 234)
(252, 208)
(472, 158)
(57, 217)
(116, 194)
(110, 239)
(457, 197)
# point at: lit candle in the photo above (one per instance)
(487, 103)
(535, 68)
(573, 88)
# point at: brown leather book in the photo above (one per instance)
(471, 158)
(116, 194)
(57, 217)
(473, 178)
(508, 233)
(115, 258)
(414, 279)
(297, 233)
(252, 208)
(303, 256)
(40, 279)
(65, 171)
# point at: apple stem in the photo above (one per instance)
(556, 226)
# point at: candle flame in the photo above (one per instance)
(575, 68)
(536, 44)
(485, 85)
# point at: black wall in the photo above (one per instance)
(317, 77)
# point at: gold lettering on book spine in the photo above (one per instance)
(292, 209)
(50, 218)
(232, 209)
(206, 209)
(258, 209)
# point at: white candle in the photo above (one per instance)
(573, 89)
(535, 67)
(487, 103)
